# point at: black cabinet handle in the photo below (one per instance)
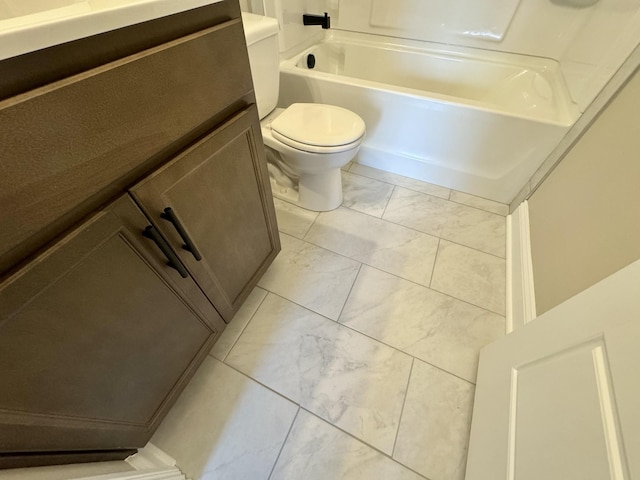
(173, 261)
(189, 246)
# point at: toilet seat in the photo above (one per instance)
(318, 128)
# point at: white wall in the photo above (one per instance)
(584, 218)
(293, 36)
(590, 42)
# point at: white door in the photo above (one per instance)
(559, 399)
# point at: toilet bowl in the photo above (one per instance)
(307, 144)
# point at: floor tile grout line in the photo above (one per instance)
(366, 188)
(413, 357)
(302, 306)
(404, 403)
(301, 407)
(398, 225)
(435, 259)
(484, 199)
(422, 231)
(275, 463)
(258, 382)
(393, 274)
(448, 198)
(349, 327)
(379, 268)
(384, 210)
(346, 300)
(310, 225)
(474, 249)
(443, 238)
(390, 222)
(469, 303)
(366, 335)
(402, 225)
(404, 186)
(359, 440)
(439, 235)
(322, 248)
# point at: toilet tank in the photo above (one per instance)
(261, 34)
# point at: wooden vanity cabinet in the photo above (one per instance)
(101, 326)
(213, 204)
(101, 332)
(98, 336)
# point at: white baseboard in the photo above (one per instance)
(149, 463)
(153, 474)
(521, 299)
(150, 457)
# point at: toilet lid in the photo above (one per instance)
(319, 125)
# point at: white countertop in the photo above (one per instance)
(67, 20)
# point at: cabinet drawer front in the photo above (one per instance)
(97, 338)
(219, 190)
(69, 146)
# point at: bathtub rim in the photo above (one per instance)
(566, 117)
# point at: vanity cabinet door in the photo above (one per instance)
(98, 336)
(213, 203)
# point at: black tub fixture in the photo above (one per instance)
(311, 61)
(323, 21)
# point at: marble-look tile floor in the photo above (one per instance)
(356, 355)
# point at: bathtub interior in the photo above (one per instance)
(516, 84)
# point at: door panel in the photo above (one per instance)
(566, 395)
(97, 337)
(557, 399)
(219, 192)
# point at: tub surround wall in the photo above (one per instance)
(590, 42)
(294, 36)
(483, 19)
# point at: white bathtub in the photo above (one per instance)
(474, 120)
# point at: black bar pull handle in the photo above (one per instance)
(189, 246)
(173, 261)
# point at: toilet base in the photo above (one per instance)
(317, 192)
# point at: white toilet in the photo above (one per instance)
(307, 143)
